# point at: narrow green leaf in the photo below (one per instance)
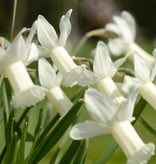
(33, 117)
(139, 109)
(55, 134)
(70, 153)
(20, 154)
(9, 133)
(54, 157)
(1, 79)
(10, 152)
(23, 116)
(47, 129)
(5, 102)
(81, 154)
(147, 126)
(108, 153)
(9, 128)
(2, 154)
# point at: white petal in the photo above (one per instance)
(16, 50)
(31, 33)
(2, 52)
(130, 22)
(130, 82)
(47, 75)
(103, 65)
(59, 78)
(87, 129)
(113, 28)
(100, 107)
(28, 97)
(124, 28)
(117, 46)
(43, 52)
(153, 70)
(65, 28)
(142, 69)
(120, 61)
(126, 112)
(32, 55)
(80, 75)
(46, 32)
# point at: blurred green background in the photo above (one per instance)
(88, 15)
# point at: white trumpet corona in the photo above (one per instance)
(135, 149)
(108, 87)
(62, 59)
(58, 98)
(25, 92)
(148, 92)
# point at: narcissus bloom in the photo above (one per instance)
(13, 63)
(109, 119)
(104, 69)
(144, 75)
(124, 27)
(52, 81)
(48, 38)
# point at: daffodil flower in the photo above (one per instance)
(104, 69)
(144, 75)
(48, 38)
(109, 119)
(52, 81)
(125, 28)
(13, 63)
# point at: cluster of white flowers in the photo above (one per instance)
(110, 109)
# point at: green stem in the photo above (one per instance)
(80, 45)
(13, 19)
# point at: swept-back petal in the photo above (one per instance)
(120, 61)
(129, 19)
(32, 55)
(113, 28)
(130, 82)
(46, 32)
(103, 65)
(100, 107)
(31, 33)
(88, 129)
(16, 50)
(153, 69)
(47, 75)
(126, 111)
(79, 75)
(65, 28)
(126, 33)
(142, 69)
(117, 46)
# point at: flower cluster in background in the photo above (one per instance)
(36, 73)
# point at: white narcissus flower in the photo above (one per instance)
(18, 54)
(52, 81)
(48, 38)
(125, 28)
(144, 75)
(109, 119)
(104, 69)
